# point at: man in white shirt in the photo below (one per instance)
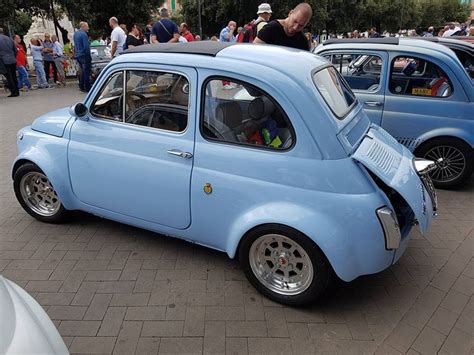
(117, 38)
(58, 52)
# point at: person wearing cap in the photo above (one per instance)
(288, 32)
(264, 13)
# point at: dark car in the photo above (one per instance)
(101, 56)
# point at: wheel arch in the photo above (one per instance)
(323, 227)
(45, 162)
(455, 134)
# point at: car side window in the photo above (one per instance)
(108, 103)
(157, 100)
(361, 71)
(418, 77)
(236, 112)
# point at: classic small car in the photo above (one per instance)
(420, 91)
(291, 178)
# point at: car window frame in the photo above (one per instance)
(122, 122)
(202, 110)
(354, 103)
(418, 57)
(383, 55)
(99, 93)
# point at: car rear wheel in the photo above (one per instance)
(454, 160)
(284, 265)
(36, 194)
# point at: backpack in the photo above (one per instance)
(248, 33)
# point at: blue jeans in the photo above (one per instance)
(23, 77)
(85, 75)
(40, 74)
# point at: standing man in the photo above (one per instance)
(373, 33)
(82, 53)
(430, 32)
(227, 33)
(117, 38)
(264, 13)
(164, 30)
(288, 32)
(24, 83)
(8, 57)
(48, 59)
(58, 53)
(36, 48)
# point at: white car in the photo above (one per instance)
(25, 328)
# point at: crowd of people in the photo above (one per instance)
(49, 54)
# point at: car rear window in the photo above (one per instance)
(335, 91)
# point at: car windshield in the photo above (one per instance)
(335, 91)
(100, 53)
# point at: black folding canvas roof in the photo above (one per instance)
(210, 48)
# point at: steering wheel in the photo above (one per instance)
(130, 103)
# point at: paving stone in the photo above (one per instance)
(54, 298)
(181, 346)
(246, 329)
(225, 313)
(112, 322)
(329, 331)
(402, 337)
(429, 341)
(454, 301)
(43, 286)
(127, 340)
(163, 328)
(92, 345)
(194, 322)
(148, 346)
(443, 320)
(146, 313)
(98, 307)
(78, 328)
(214, 337)
(66, 312)
(236, 346)
(458, 342)
(130, 299)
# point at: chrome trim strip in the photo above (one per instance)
(390, 227)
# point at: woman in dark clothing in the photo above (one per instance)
(134, 38)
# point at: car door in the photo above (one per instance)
(134, 154)
(423, 95)
(365, 72)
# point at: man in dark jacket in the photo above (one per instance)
(8, 58)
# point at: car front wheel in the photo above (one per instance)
(284, 265)
(36, 194)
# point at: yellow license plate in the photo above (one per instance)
(421, 91)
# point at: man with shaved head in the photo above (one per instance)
(288, 32)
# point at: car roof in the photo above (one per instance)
(208, 54)
(389, 44)
(210, 48)
(450, 42)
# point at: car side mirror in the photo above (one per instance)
(79, 110)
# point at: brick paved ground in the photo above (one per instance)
(112, 288)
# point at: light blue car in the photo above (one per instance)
(291, 178)
(421, 92)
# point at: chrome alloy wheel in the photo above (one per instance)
(450, 162)
(281, 264)
(39, 194)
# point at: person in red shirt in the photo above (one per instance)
(184, 30)
(24, 83)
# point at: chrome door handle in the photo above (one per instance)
(178, 153)
(373, 103)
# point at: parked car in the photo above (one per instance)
(463, 50)
(292, 178)
(419, 92)
(25, 327)
(101, 56)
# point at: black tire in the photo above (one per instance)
(322, 270)
(59, 216)
(441, 146)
